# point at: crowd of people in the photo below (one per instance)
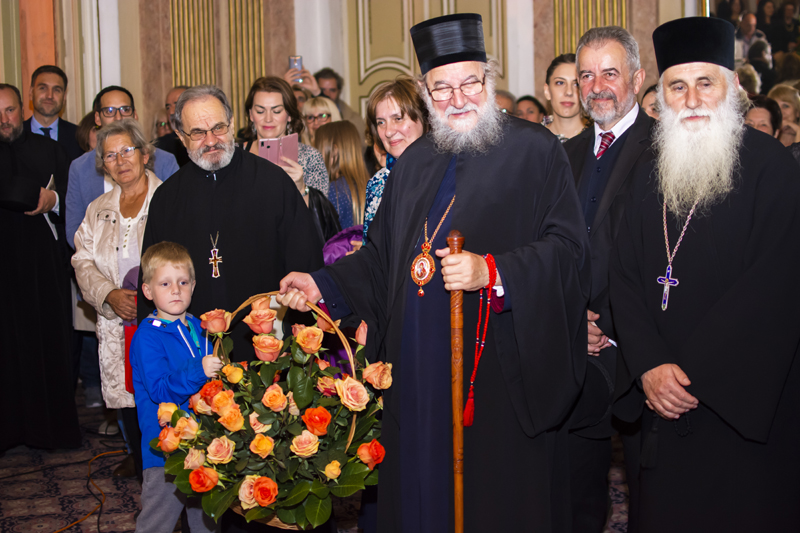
(566, 205)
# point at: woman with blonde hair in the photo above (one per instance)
(316, 112)
(339, 144)
(789, 99)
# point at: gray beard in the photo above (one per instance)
(487, 132)
(202, 161)
(698, 166)
(619, 110)
(13, 136)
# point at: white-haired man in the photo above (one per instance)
(704, 293)
(505, 184)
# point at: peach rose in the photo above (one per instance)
(297, 328)
(332, 470)
(310, 339)
(361, 334)
(353, 394)
(262, 304)
(260, 321)
(186, 428)
(293, 410)
(326, 386)
(305, 444)
(322, 363)
(317, 420)
(233, 373)
(232, 419)
(199, 406)
(220, 451)
(165, 411)
(379, 375)
(203, 479)
(262, 445)
(371, 454)
(380, 402)
(168, 440)
(216, 321)
(246, 492)
(210, 390)
(222, 402)
(267, 347)
(257, 426)
(194, 459)
(265, 491)
(274, 398)
(324, 325)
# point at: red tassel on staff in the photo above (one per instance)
(469, 410)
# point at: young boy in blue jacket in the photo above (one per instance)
(169, 362)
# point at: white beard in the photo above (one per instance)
(487, 132)
(210, 164)
(698, 162)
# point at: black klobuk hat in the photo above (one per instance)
(694, 40)
(449, 39)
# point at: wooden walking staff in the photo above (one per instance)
(456, 242)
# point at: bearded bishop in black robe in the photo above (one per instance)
(729, 321)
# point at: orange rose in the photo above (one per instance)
(310, 339)
(317, 420)
(210, 390)
(305, 444)
(232, 419)
(203, 479)
(371, 454)
(246, 497)
(262, 445)
(332, 470)
(233, 373)
(244, 364)
(257, 426)
(361, 334)
(324, 325)
(194, 459)
(216, 321)
(274, 398)
(297, 328)
(168, 440)
(293, 410)
(165, 411)
(322, 363)
(220, 451)
(261, 321)
(186, 428)
(379, 375)
(326, 386)
(267, 347)
(353, 393)
(265, 491)
(222, 402)
(262, 304)
(199, 406)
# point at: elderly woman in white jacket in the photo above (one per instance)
(107, 249)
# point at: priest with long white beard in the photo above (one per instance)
(705, 295)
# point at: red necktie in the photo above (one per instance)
(605, 141)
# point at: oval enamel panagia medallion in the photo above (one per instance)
(422, 268)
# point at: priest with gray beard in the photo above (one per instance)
(506, 185)
(705, 297)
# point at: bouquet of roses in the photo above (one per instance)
(275, 438)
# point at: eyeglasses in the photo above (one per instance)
(161, 124)
(198, 134)
(125, 111)
(126, 153)
(470, 88)
(322, 117)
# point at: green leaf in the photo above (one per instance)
(303, 392)
(294, 376)
(257, 513)
(297, 495)
(242, 464)
(174, 463)
(372, 478)
(298, 354)
(362, 427)
(318, 510)
(329, 402)
(295, 429)
(348, 485)
(331, 371)
(355, 469)
(154, 444)
(227, 345)
(267, 374)
(182, 482)
(287, 516)
(268, 418)
(177, 415)
(217, 501)
(291, 466)
(319, 490)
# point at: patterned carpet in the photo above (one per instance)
(45, 491)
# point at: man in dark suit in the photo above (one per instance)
(606, 160)
(170, 142)
(48, 88)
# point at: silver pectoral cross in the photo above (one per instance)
(215, 261)
(667, 281)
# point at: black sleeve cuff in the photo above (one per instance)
(334, 301)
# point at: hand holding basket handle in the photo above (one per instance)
(297, 288)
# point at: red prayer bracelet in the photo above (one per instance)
(480, 340)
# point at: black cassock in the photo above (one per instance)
(36, 317)
(262, 227)
(732, 325)
(518, 203)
